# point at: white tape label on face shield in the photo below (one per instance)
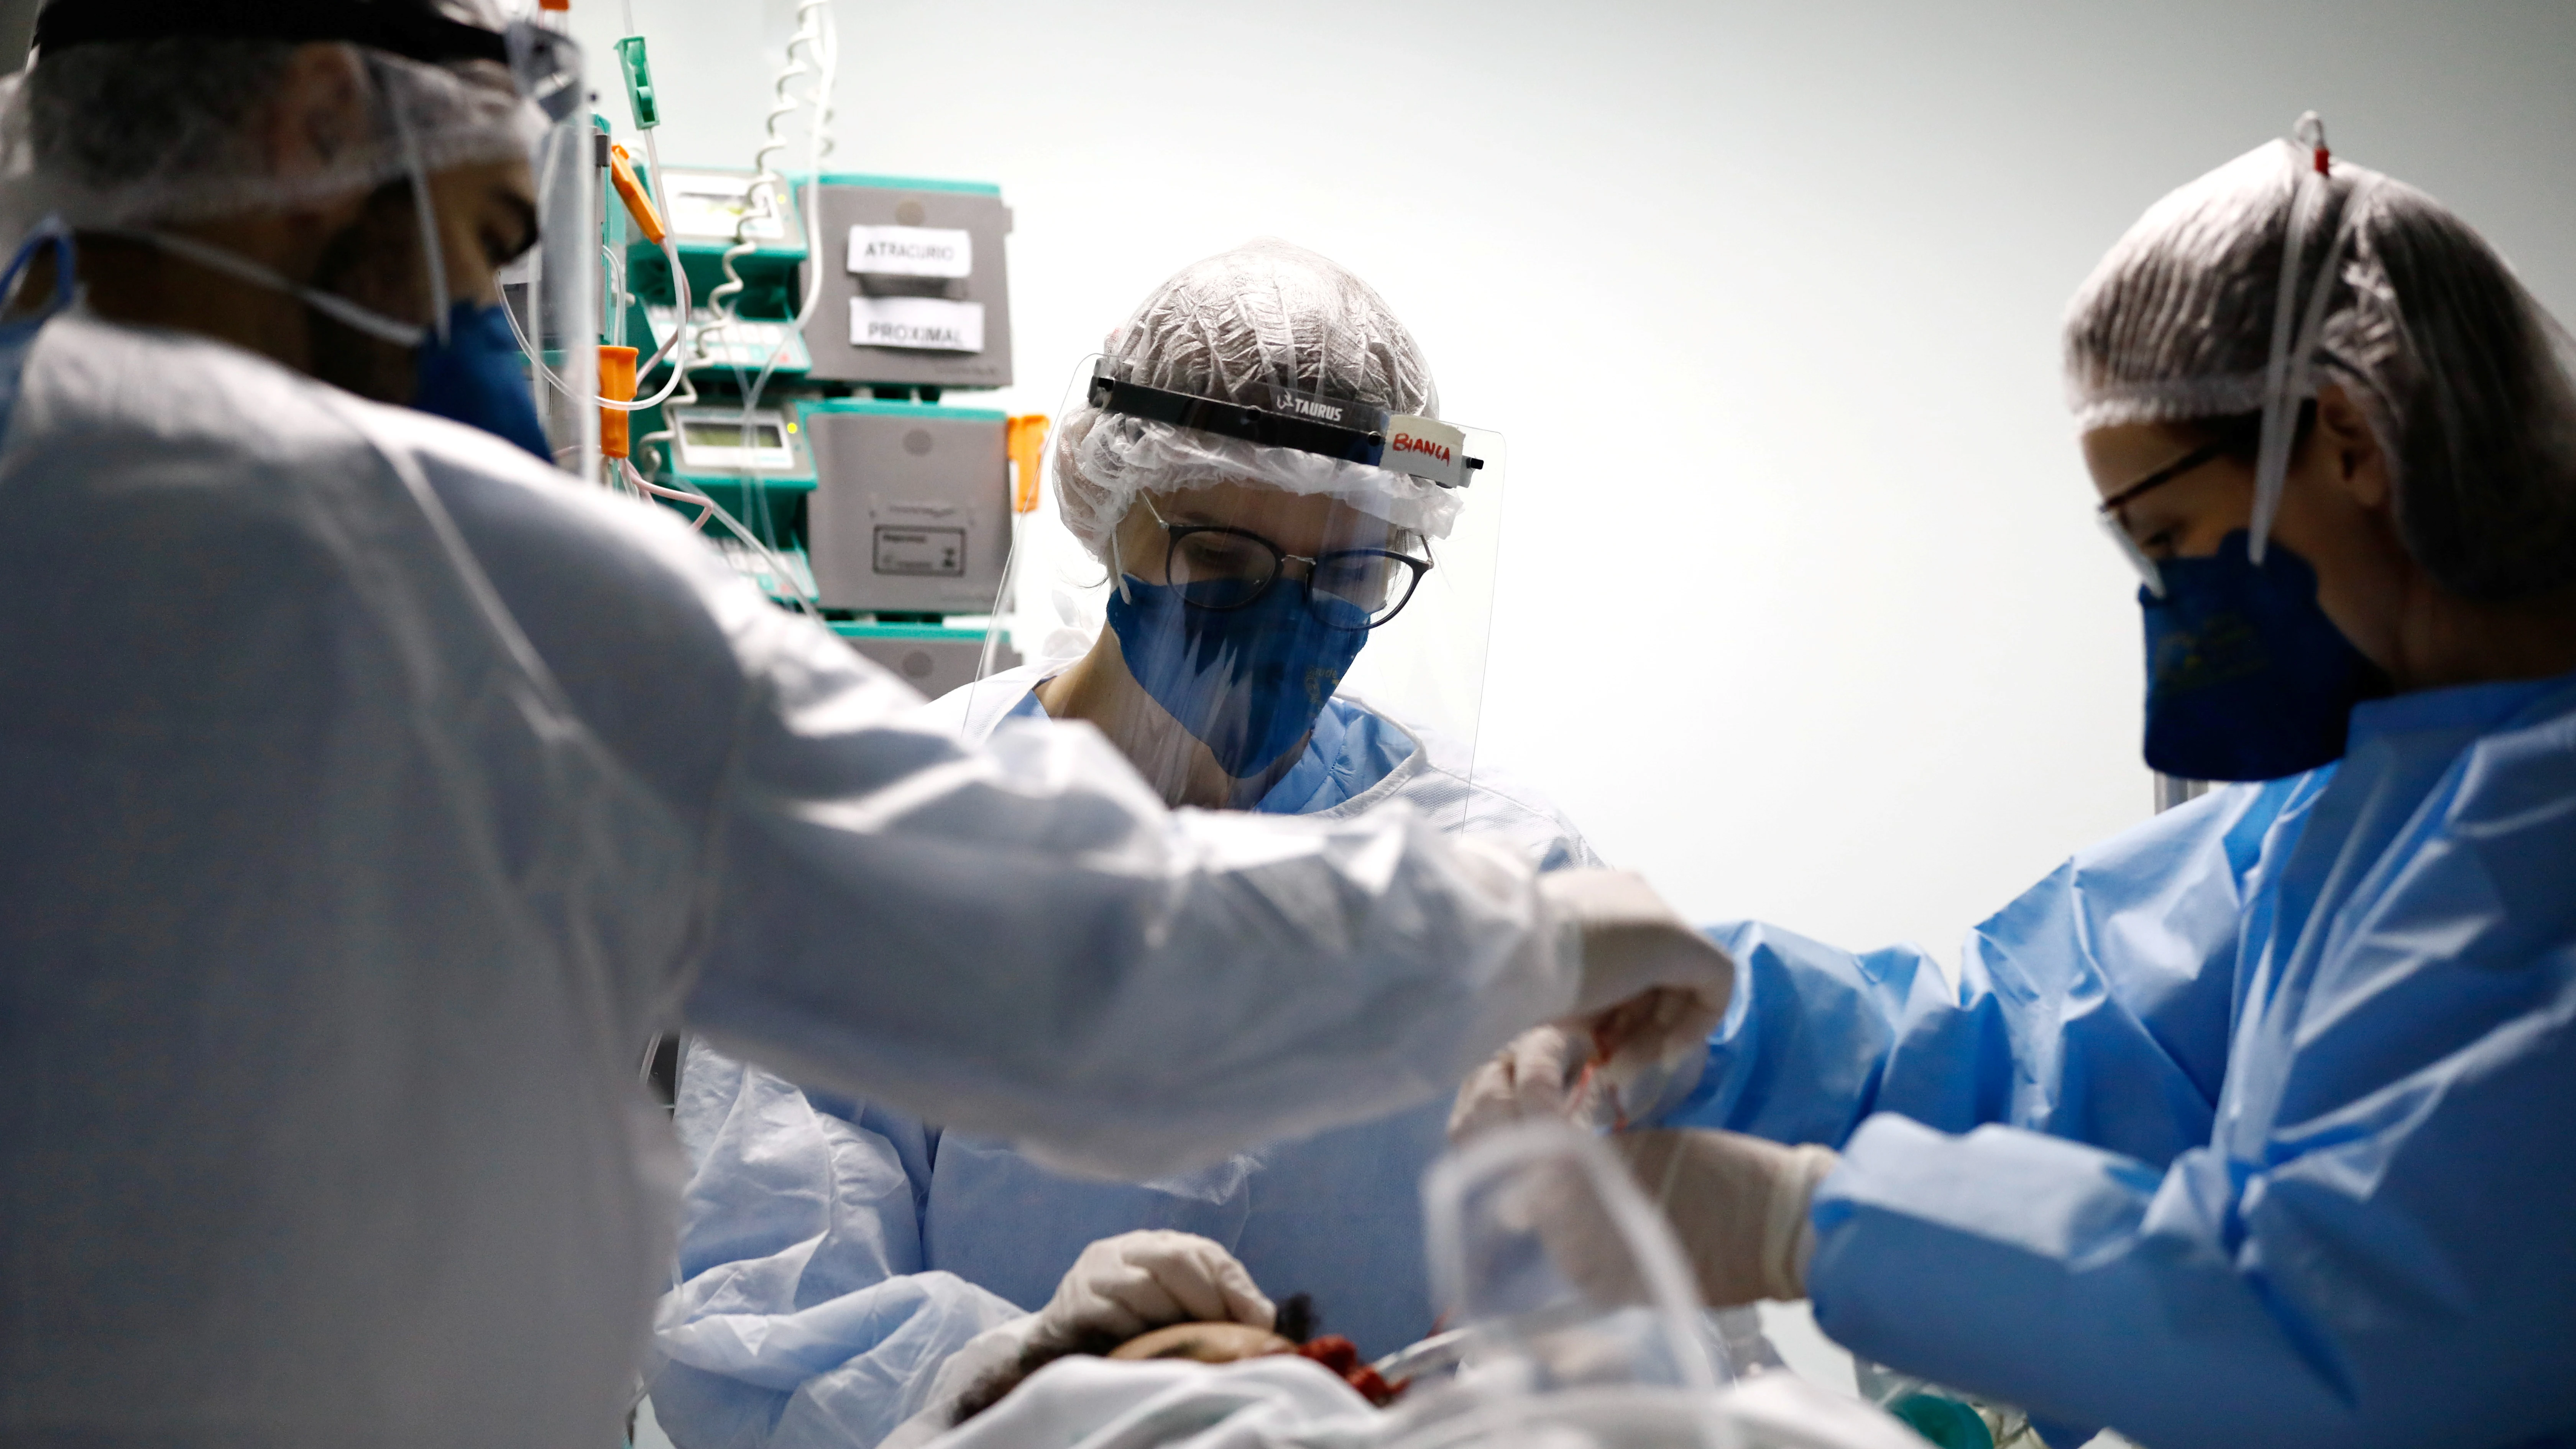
(1426, 449)
(911, 251)
(931, 324)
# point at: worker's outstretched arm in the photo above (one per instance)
(2093, 1007)
(1018, 938)
(2397, 1269)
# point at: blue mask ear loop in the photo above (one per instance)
(432, 255)
(48, 232)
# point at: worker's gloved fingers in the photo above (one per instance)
(1544, 1065)
(1789, 1234)
(1484, 1100)
(1663, 1024)
(1202, 1283)
(1738, 1204)
(1527, 1078)
(1633, 944)
(1135, 1282)
(1239, 1298)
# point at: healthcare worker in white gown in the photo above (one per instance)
(837, 1252)
(370, 791)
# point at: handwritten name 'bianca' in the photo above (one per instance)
(1408, 443)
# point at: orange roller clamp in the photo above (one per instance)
(616, 383)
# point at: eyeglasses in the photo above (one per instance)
(1217, 568)
(2109, 514)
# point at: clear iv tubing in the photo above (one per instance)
(679, 333)
(679, 390)
(709, 508)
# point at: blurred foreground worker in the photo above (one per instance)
(369, 792)
(2251, 1125)
(838, 1252)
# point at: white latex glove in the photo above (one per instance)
(1529, 1078)
(1126, 1285)
(1738, 1204)
(1652, 986)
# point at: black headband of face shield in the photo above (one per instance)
(1364, 443)
(408, 28)
(1237, 420)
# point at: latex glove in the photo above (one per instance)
(1738, 1204)
(1531, 1077)
(1652, 986)
(1123, 1286)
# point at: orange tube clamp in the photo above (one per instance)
(1027, 442)
(616, 383)
(630, 189)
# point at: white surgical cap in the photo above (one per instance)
(161, 131)
(2463, 376)
(1265, 315)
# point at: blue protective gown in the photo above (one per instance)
(2254, 1125)
(834, 1253)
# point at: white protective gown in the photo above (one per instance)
(369, 793)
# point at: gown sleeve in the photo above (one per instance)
(2095, 1007)
(803, 1319)
(2387, 1261)
(1013, 938)
(1018, 939)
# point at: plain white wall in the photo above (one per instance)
(1801, 610)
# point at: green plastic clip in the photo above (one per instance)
(639, 82)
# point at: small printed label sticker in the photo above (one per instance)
(930, 324)
(935, 552)
(911, 251)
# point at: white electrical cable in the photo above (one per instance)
(825, 46)
(817, 41)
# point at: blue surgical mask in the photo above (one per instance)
(1245, 682)
(474, 376)
(2247, 679)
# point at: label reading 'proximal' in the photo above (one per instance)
(929, 324)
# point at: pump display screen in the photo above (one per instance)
(711, 433)
(721, 440)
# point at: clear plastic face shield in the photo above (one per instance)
(552, 291)
(1274, 598)
(1573, 1313)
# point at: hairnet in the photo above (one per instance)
(167, 130)
(1263, 315)
(2464, 377)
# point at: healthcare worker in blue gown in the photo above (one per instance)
(2256, 1124)
(838, 1253)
